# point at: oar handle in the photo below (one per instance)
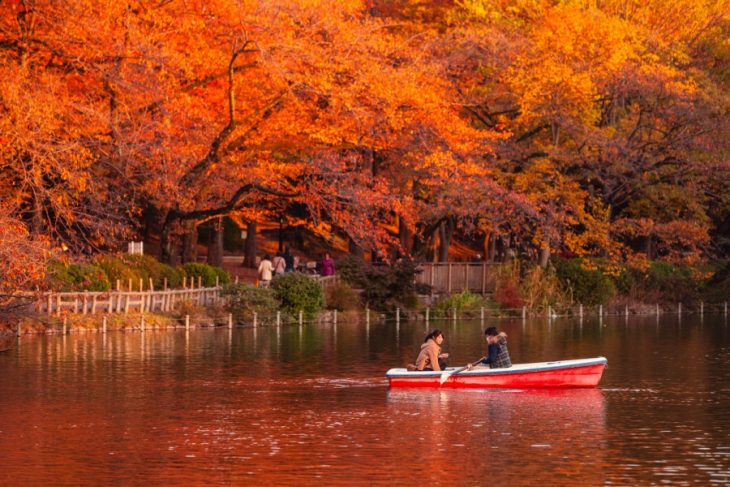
(463, 368)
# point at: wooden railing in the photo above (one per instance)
(448, 277)
(125, 301)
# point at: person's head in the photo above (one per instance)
(436, 335)
(267, 257)
(327, 255)
(490, 333)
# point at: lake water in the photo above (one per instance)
(310, 406)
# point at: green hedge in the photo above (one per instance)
(342, 297)
(297, 292)
(245, 300)
(385, 287)
(206, 272)
(77, 277)
(675, 282)
(587, 284)
(465, 303)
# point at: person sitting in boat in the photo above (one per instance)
(430, 357)
(497, 352)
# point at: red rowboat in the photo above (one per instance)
(564, 373)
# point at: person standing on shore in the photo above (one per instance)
(289, 260)
(266, 269)
(279, 265)
(327, 265)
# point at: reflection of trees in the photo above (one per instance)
(562, 431)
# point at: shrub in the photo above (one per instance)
(206, 272)
(675, 282)
(718, 287)
(77, 277)
(117, 269)
(245, 300)
(297, 292)
(223, 276)
(541, 288)
(465, 303)
(147, 267)
(507, 295)
(588, 285)
(384, 287)
(341, 296)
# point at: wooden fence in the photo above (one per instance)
(125, 301)
(448, 277)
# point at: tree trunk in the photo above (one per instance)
(249, 259)
(649, 247)
(354, 249)
(544, 255)
(446, 232)
(406, 237)
(215, 244)
(491, 246)
(190, 242)
(166, 248)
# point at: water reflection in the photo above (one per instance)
(554, 430)
(307, 405)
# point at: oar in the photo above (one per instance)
(446, 374)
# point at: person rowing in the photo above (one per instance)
(497, 352)
(430, 356)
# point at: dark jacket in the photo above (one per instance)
(498, 355)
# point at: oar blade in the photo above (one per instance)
(444, 377)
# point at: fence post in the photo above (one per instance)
(141, 323)
(600, 310)
(481, 314)
(725, 308)
(550, 312)
(301, 317)
(278, 319)
(679, 309)
(335, 317)
(130, 285)
(657, 309)
(428, 312)
(449, 277)
(217, 281)
(103, 324)
(187, 322)
(626, 310)
(230, 320)
(200, 281)
(454, 316)
(397, 315)
(580, 310)
(430, 277)
(64, 325)
(524, 313)
(702, 307)
(50, 305)
(484, 278)
(119, 285)
(255, 319)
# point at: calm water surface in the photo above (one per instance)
(310, 406)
